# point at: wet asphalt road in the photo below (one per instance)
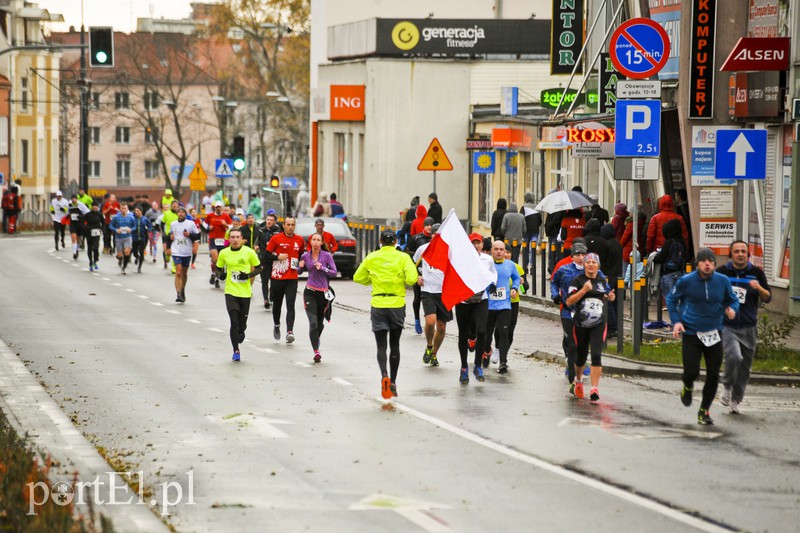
(278, 443)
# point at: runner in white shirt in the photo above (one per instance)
(59, 208)
(436, 314)
(181, 247)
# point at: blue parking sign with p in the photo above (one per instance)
(638, 128)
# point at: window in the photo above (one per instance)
(121, 101)
(123, 135)
(3, 135)
(150, 100)
(94, 135)
(150, 135)
(151, 169)
(94, 169)
(23, 104)
(123, 172)
(24, 156)
(94, 100)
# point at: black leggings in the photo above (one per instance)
(59, 229)
(471, 320)
(568, 344)
(511, 327)
(692, 350)
(94, 248)
(586, 339)
(265, 277)
(497, 323)
(138, 250)
(394, 351)
(284, 288)
(417, 300)
(238, 309)
(315, 305)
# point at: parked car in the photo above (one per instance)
(345, 256)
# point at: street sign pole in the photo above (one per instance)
(434, 181)
(635, 282)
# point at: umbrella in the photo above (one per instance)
(563, 201)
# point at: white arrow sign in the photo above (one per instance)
(415, 511)
(740, 148)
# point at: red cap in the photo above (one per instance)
(475, 237)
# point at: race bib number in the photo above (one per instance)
(293, 263)
(180, 242)
(73, 216)
(741, 293)
(96, 233)
(329, 296)
(593, 308)
(498, 294)
(709, 338)
(219, 242)
(234, 277)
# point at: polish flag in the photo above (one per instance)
(451, 252)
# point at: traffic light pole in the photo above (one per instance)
(84, 135)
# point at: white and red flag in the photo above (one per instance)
(451, 252)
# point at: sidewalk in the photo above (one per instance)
(535, 311)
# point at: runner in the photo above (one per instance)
(140, 237)
(471, 317)
(93, 222)
(587, 293)
(563, 273)
(238, 265)
(523, 288)
(697, 305)
(740, 335)
(167, 218)
(76, 211)
(499, 294)
(436, 314)
(317, 295)
(153, 215)
(217, 224)
(265, 232)
(388, 270)
(194, 217)
(59, 209)
(249, 232)
(122, 226)
(417, 240)
(180, 232)
(328, 240)
(285, 250)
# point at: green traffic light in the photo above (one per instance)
(238, 164)
(101, 57)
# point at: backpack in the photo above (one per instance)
(675, 260)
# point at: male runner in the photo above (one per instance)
(218, 224)
(180, 233)
(285, 250)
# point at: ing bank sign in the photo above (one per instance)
(347, 103)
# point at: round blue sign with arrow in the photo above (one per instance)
(639, 48)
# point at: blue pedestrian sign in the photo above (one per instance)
(638, 128)
(741, 154)
(224, 168)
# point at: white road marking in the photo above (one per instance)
(267, 350)
(264, 426)
(131, 290)
(144, 297)
(215, 330)
(193, 321)
(174, 312)
(106, 279)
(157, 304)
(341, 381)
(303, 364)
(563, 472)
(411, 510)
(117, 284)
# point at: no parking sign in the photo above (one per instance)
(639, 48)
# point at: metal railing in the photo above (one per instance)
(30, 220)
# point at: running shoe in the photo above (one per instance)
(471, 344)
(725, 397)
(75, 256)
(735, 407)
(266, 304)
(386, 390)
(464, 378)
(426, 357)
(236, 357)
(485, 361)
(216, 284)
(594, 395)
(178, 298)
(241, 337)
(572, 389)
(579, 389)
(276, 333)
(434, 360)
(418, 327)
(289, 337)
(503, 369)
(193, 266)
(704, 418)
(495, 356)
(183, 296)
(154, 259)
(686, 396)
(393, 390)
(478, 371)
(211, 280)
(317, 356)
(587, 370)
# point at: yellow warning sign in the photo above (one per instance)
(435, 158)
(197, 178)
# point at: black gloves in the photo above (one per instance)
(241, 276)
(222, 275)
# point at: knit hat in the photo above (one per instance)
(620, 207)
(428, 221)
(579, 248)
(704, 254)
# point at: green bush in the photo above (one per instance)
(772, 335)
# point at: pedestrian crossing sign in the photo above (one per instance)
(224, 168)
(435, 158)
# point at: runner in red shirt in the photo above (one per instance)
(217, 223)
(285, 250)
(328, 240)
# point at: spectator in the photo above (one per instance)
(613, 271)
(533, 222)
(666, 212)
(618, 221)
(497, 219)
(552, 229)
(672, 256)
(682, 208)
(254, 207)
(596, 212)
(418, 223)
(337, 209)
(627, 237)
(411, 213)
(513, 227)
(434, 208)
(595, 242)
(323, 207)
(302, 202)
(571, 227)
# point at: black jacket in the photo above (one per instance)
(263, 235)
(435, 212)
(614, 263)
(595, 243)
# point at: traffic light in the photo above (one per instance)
(101, 46)
(238, 153)
(275, 182)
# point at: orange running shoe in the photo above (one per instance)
(386, 390)
(579, 389)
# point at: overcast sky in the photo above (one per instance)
(121, 14)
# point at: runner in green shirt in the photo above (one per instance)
(238, 265)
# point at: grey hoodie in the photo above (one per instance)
(513, 225)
